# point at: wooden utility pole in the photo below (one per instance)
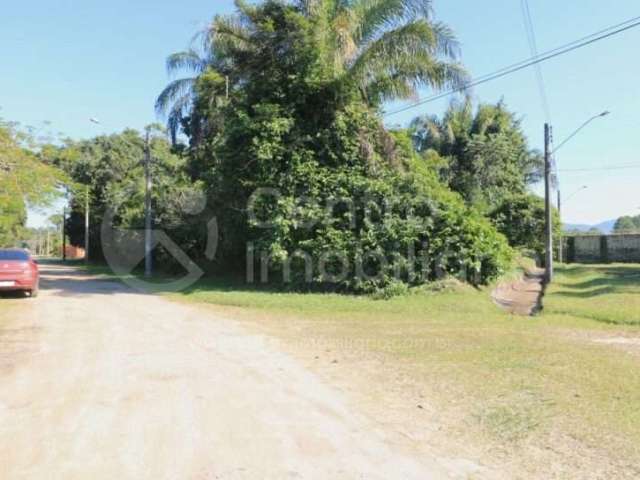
(548, 264)
(64, 234)
(560, 239)
(148, 261)
(86, 226)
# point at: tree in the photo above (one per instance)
(482, 155)
(382, 49)
(308, 126)
(112, 167)
(521, 218)
(26, 180)
(627, 224)
(386, 48)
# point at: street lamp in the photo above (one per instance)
(584, 187)
(595, 117)
(548, 153)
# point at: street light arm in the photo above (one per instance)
(603, 114)
(575, 193)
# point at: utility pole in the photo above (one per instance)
(86, 226)
(64, 234)
(560, 239)
(148, 262)
(548, 263)
(548, 134)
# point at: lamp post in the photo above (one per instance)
(548, 154)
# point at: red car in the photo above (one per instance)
(18, 272)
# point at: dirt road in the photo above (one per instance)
(100, 382)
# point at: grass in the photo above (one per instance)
(496, 379)
(604, 293)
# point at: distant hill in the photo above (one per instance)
(607, 227)
(604, 227)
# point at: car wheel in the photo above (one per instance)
(31, 293)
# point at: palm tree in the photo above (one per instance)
(477, 146)
(387, 49)
(176, 99)
(211, 50)
(444, 135)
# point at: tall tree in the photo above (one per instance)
(112, 168)
(305, 85)
(481, 154)
(26, 180)
(385, 49)
(627, 224)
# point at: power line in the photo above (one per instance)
(544, 99)
(533, 48)
(598, 169)
(569, 47)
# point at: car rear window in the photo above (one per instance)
(14, 255)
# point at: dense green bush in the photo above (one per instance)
(351, 229)
(307, 185)
(521, 218)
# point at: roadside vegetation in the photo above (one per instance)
(627, 224)
(26, 180)
(533, 395)
(277, 128)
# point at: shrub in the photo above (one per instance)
(367, 233)
(521, 218)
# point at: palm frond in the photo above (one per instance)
(176, 115)
(410, 39)
(389, 87)
(377, 16)
(446, 42)
(226, 34)
(173, 93)
(404, 59)
(246, 9)
(186, 60)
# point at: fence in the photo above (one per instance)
(623, 248)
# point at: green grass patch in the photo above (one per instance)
(604, 293)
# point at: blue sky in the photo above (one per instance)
(69, 60)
